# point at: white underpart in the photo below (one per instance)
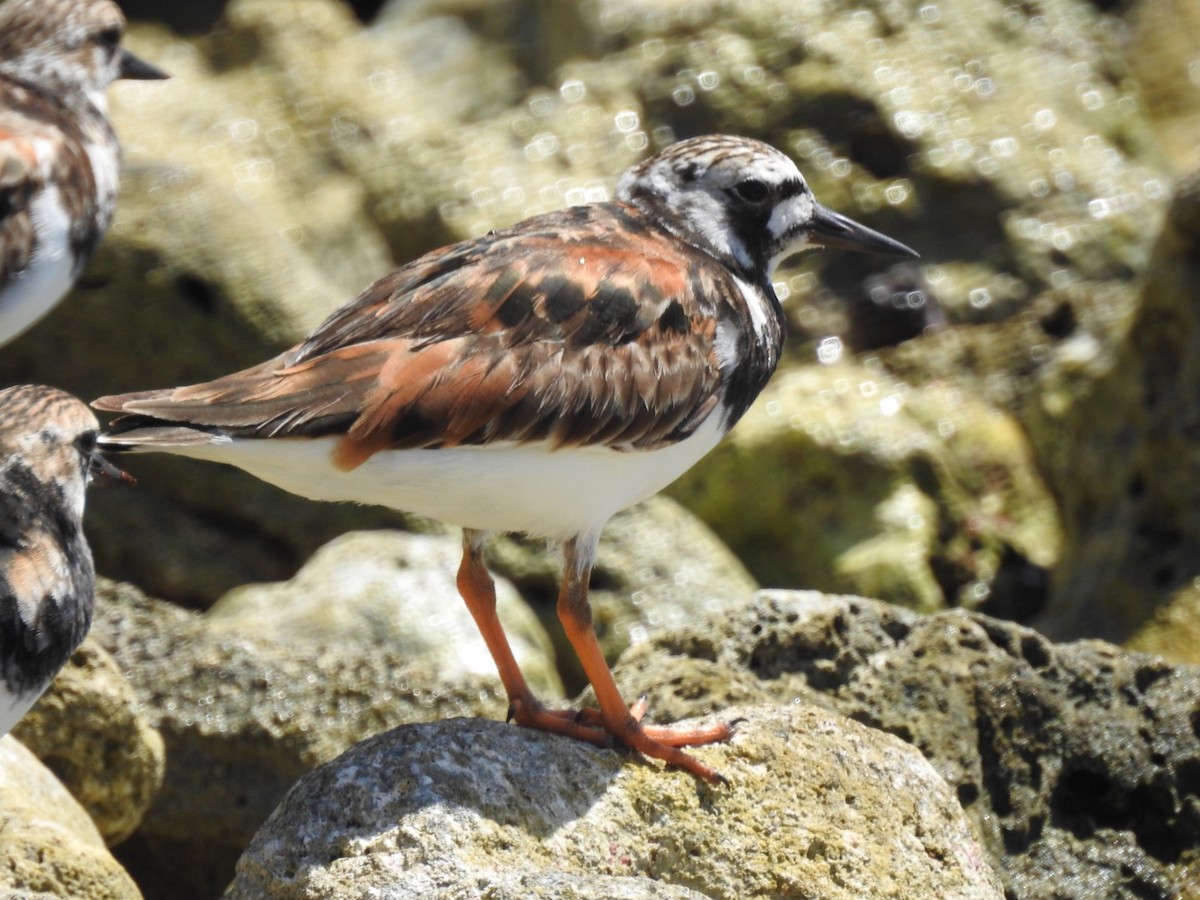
(13, 707)
(35, 291)
(725, 343)
(53, 269)
(789, 218)
(760, 313)
(527, 488)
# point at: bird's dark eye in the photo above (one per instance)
(86, 443)
(751, 191)
(109, 37)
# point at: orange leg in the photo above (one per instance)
(479, 591)
(613, 719)
(659, 742)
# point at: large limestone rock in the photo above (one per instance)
(860, 482)
(1131, 506)
(817, 805)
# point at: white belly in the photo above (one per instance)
(12, 708)
(526, 488)
(34, 292)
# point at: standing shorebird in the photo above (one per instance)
(47, 456)
(536, 380)
(59, 156)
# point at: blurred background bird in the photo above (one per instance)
(59, 156)
(47, 457)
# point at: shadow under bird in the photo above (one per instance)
(59, 156)
(47, 457)
(537, 380)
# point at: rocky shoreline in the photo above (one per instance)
(281, 699)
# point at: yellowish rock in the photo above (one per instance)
(89, 729)
(51, 846)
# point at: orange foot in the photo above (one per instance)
(656, 741)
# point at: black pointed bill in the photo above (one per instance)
(137, 69)
(99, 467)
(831, 229)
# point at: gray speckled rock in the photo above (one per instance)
(88, 729)
(50, 847)
(817, 806)
(1077, 763)
(393, 590)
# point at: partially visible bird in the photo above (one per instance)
(537, 379)
(47, 456)
(59, 156)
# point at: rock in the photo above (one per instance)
(1076, 763)
(243, 717)
(1129, 505)
(89, 731)
(1160, 49)
(1174, 631)
(395, 591)
(861, 483)
(817, 805)
(51, 846)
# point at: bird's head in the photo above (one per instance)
(64, 47)
(743, 201)
(52, 436)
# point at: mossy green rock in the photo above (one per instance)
(861, 482)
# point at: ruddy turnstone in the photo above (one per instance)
(536, 380)
(59, 156)
(47, 456)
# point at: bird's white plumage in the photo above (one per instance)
(14, 706)
(30, 295)
(530, 488)
(756, 302)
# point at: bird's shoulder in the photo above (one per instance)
(40, 147)
(601, 274)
